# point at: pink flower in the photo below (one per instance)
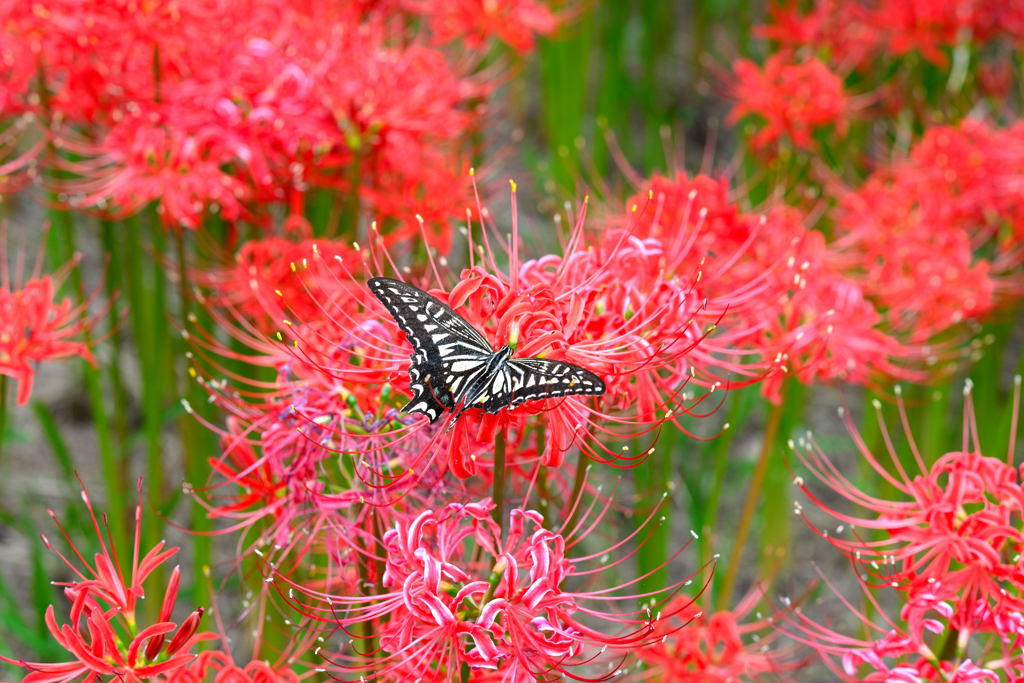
(456, 592)
(948, 545)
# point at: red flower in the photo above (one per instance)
(784, 309)
(284, 99)
(103, 634)
(961, 522)
(144, 159)
(268, 272)
(793, 99)
(845, 31)
(947, 544)
(457, 592)
(852, 33)
(608, 305)
(913, 236)
(36, 327)
(716, 648)
(515, 22)
(216, 666)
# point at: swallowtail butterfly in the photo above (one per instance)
(454, 367)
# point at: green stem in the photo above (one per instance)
(146, 338)
(110, 461)
(112, 247)
(739, 409)
(3, 414)
(651, 479)
(753, 494)
(498, 494)
(60, 250)
(193, 440)
(543, 495)
(574, 503)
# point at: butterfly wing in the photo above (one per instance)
(535, 379)
(448, 352)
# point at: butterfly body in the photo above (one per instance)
(455, 369)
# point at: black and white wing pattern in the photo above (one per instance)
(454, 367)
(447, 354)
(535, 379)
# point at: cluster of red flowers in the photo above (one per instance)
(717, 648)
(792, 309)
(231, 107)
(934, 239)
(793, 97)
(457, 590)
(948, 542)
(341, 377)
(853, 33)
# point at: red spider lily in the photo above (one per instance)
(792, 97)
(949, 546)
(914, 235)
(721, 647)
(843, 30)
(829, 331)
(35, 326)
(787, 308)
(604, 308)
(296, 97)
(853, 33)
(927, 26)
(937, 637)
(215, 666)
(961, 523)
(269, 269)
(94, 57)
(103, 635)
(515, 22)
(144, 160)
(456, 592)
(280, 472)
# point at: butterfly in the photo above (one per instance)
(454, 367)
